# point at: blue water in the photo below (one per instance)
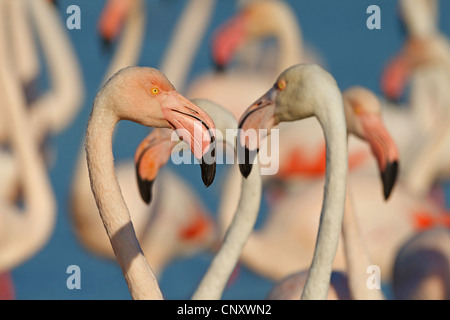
(354, 55)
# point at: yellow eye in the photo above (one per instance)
(154, 91)
(281, 85)
(357, 109)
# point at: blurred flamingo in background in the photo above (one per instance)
(25, 230)
(424, 61)
(256, 20)
(421, 269)
(48, 113)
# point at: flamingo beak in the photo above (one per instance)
(254, 126)
(152, 154)
(384, 149)
(111, 20)
(227, 40)
(196, 128)
(394, 77)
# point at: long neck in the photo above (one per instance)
(57, 108)
(23, 232)
(187, 38)
(113, 210)
(357, 256)
(223, 264)
(290, 42)
(129, 48)
(23, 46)
(334, 127)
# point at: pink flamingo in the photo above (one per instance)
(164, 230)
(142, 95)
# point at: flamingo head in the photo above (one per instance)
(257, 19)
(291, 98)
(416, 52)
(145, 95)
(112, 19)
(363, 116)
(152, 154)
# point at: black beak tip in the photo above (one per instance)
(208, 172)
(106, 44)
(145, 187)
(389, 177)
(246, 169)
(220, 68)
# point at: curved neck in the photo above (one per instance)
(187, 38)
(54, 111)
(334, 127)
(23, 46)
(356, 255)
(290, 40)
(223, 264)
(23, 233)
(113, 210)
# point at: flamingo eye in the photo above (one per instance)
(154, 91)
(281, 85)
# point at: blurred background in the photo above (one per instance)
(336, 30)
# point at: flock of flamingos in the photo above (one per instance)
(358, 180)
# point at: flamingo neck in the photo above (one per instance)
(187, 38)
(335, 131)
(112, 207)
(223, 264)
(291, 42)
(356, 255)
(24, 232)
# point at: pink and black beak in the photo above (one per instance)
(196, 128)
(152, 154)
(255, 125)
(384, 149)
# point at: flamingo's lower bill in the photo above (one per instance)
(258, 119)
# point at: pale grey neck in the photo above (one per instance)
(291, 44)
(334, 127)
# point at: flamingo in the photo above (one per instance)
(421, 269)
(300, 92)
(428, 60)
(424, 61)
(420, 17)
(142, 95)
(163, 229)
(25, 230)
(363, 120)
(385, 225)
(53, 111)
(256, 21)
